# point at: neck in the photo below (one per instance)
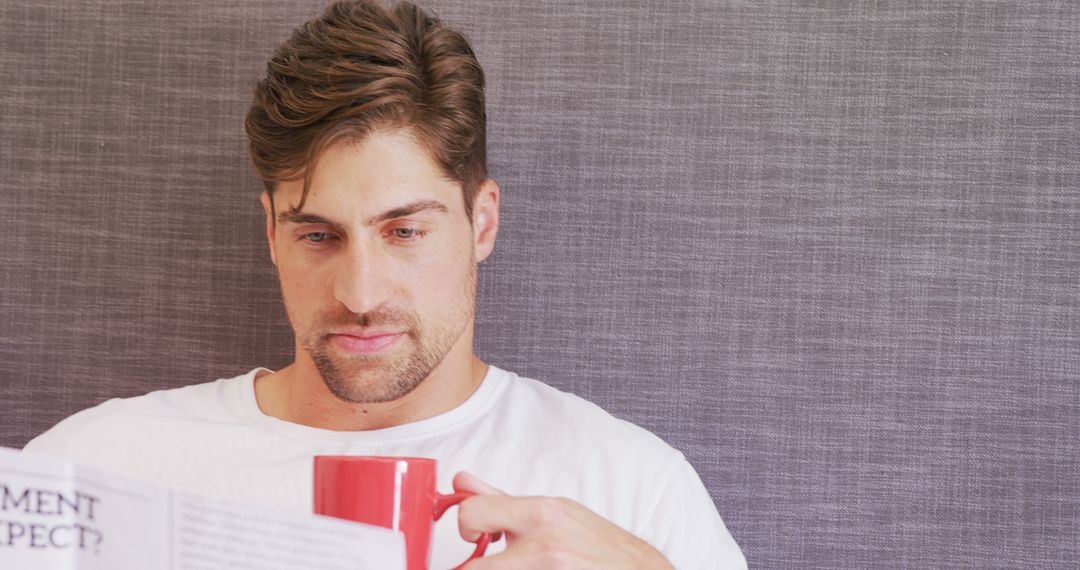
(298, 394)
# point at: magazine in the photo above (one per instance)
(56, 515)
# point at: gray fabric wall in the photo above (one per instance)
(828, 249)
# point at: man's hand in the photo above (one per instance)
(547, 533)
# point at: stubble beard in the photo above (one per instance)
(369, 380)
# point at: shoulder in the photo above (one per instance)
(620, 470)
(128, 419)
(562, 417)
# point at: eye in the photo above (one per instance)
(315, 237)
(406, 233)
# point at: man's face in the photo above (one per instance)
(378, 269)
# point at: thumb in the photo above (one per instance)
(467, 482)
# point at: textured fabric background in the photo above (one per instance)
(828, 249)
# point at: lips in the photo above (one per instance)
(364, 342)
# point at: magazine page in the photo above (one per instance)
(55, 515)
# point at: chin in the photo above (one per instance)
(367, 386)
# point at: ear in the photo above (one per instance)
(485, 221)
(268, 208)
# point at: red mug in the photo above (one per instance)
(393, 492)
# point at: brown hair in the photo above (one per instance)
(364, 66)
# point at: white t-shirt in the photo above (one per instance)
(517, 434)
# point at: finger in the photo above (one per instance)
(473, 520)
(465, 481)
(516, 516)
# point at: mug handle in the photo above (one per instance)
(444, 502)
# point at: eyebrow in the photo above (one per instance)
(298, 217)
(408, 210)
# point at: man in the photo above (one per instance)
(369, 134)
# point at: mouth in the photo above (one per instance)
(364, 343)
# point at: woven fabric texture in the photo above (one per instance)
(831, 250)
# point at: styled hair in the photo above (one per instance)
(361, 67)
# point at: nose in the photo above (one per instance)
(363, 280)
